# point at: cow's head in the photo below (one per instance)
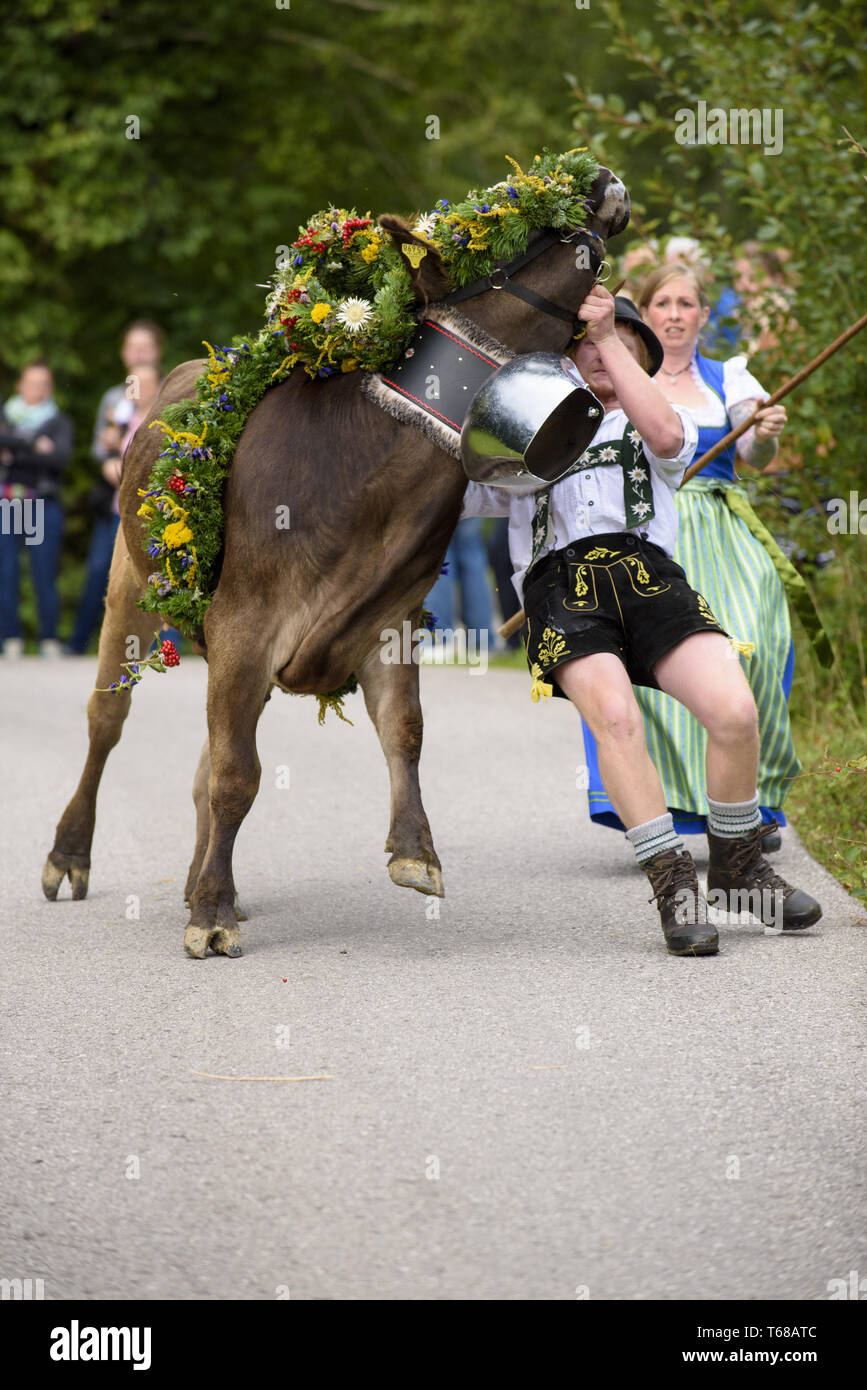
(562, 274)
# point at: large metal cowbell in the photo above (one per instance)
(529, 423)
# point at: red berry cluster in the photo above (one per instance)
(177, 483)
(292, 297)
(169, 654)
(354, 224)
(308, 239)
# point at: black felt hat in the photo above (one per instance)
(626, 312)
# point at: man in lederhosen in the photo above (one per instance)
(607, 607)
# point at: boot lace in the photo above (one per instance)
(746, 858)
(678, 873)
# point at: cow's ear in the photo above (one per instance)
(423, 261)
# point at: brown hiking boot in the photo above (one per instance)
(738, 870)
(682, 906)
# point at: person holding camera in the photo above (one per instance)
(140, 352)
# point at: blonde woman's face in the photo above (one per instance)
(675, 314)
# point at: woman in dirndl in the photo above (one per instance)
(728, 556)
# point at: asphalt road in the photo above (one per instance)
(527, 1097)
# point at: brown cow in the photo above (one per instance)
(373, 505)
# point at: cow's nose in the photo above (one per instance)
(617, 206)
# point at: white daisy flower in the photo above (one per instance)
(607, 455)
(425, 225)
(354, 314)
(641, 509)
(634, 436)
(638, 475)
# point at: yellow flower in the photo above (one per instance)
(370, 252)
(320, 311)
(349, 364)
(177, 534)
(145, 509)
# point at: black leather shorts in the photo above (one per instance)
(613, 593)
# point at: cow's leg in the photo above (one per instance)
(238, 682)
(203, 827)
(392, 699)
(105, 718)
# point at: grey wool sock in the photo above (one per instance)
(653, 837)
(731, 819)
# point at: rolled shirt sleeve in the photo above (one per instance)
(671, 470)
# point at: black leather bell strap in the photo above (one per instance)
(500, 279)
(440, 372)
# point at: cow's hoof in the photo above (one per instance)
(223, 941)
(196, 942)
(415, 873)
(52, 877)
(226, 941)
(240, 914)
(79, 879)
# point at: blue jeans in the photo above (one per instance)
(43, 568)
(467, 561)
(91, 605)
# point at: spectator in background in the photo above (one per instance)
(720, 334)
(36, 442)
(464, 587)
(501, 563)
(635, 264)
(140, 352)
(766, 295)
(115, 438)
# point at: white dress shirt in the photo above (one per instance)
(589, 502)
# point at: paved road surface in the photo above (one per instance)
(529, 1098)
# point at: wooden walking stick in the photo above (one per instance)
(519, 618)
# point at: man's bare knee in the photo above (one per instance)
(619, 723)
(736, 720)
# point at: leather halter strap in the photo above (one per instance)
(500, 277)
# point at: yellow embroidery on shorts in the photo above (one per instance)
(639, 578)
(552, 646)
(584, 588)
(599, 553)
(705, 611)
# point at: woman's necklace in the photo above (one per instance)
(672, 376)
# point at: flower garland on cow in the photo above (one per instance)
(341, 300)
